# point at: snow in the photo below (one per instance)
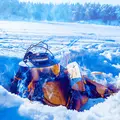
(96, 48)
(115, 2)
(117, 66)
(107, 110)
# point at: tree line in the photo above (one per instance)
(15, 10)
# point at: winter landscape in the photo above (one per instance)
(93, 47)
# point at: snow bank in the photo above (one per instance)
(14, 107)
(6, 99)
(9, 105)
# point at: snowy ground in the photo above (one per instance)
(94, 47)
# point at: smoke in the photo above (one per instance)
(8, 68)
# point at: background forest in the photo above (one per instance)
(88, 12)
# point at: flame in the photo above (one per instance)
(56, 69)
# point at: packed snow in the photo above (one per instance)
(93, 47)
